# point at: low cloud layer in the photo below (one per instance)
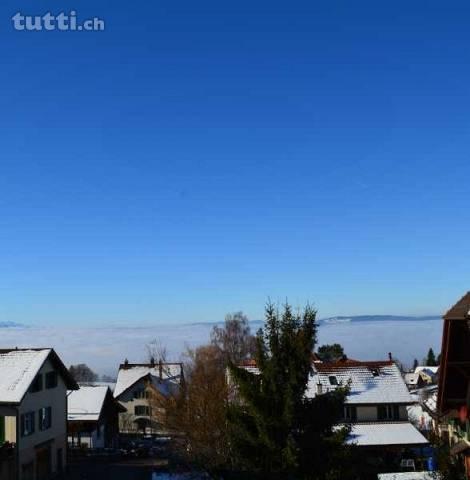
(103, 348)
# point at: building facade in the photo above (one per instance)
(453, 403)
(93, 418)
(142, 390)
(33, 413)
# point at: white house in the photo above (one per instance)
(33, 414)
(376, 405)
(140, 389)
(93, 417)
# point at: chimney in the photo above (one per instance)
(390, 356)
(160, 369)
(126, 363)
(152, 361)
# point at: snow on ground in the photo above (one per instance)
(103, 348)
(177, 476)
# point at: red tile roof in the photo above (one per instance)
(342, 364)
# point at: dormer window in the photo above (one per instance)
(375, 372)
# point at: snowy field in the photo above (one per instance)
(103, 348)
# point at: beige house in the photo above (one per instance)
(376, 404)
(33, 414)
(142, 388)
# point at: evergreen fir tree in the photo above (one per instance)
(276, 432)
(431, 358)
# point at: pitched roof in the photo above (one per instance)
(412, 378)
(86, 403)
(129, 374)
(460, 310)
(427, 370)
(18, 369)
(369, 382)
(386, 433)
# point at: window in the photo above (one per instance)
(142, 410)
(388, 412)
(27, 424)
(333, 380)
(36, 386)
(350, 413)
(141, 393)
(45, 418)
(51, 379)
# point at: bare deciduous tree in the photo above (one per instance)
(234, 339)
(156, 351)
(199, 411)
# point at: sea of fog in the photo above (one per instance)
(103, 348)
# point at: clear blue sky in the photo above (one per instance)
(200, 156)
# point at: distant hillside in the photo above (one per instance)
(344, 319)
(10, 325)
(377, 318)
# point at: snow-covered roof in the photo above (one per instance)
(369, 382)
(408, 476)
(386, 433)
(420, 418)
(86, 403)
(18, 368)
(110, 385)
(129, 374)
(411, 378)
(428, 370)
(431, 403)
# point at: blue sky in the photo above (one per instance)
(198, 157)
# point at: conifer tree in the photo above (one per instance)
(431, 358)
(276, 430)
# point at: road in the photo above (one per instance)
(92, 469)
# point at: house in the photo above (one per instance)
(93, 417)
(33, 414)
(453, 398)
(377, 402)
(423, 413)
(376, 405)
(414, 380)
(429, 374)
(142, 389)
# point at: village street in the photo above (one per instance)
(110, 470)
